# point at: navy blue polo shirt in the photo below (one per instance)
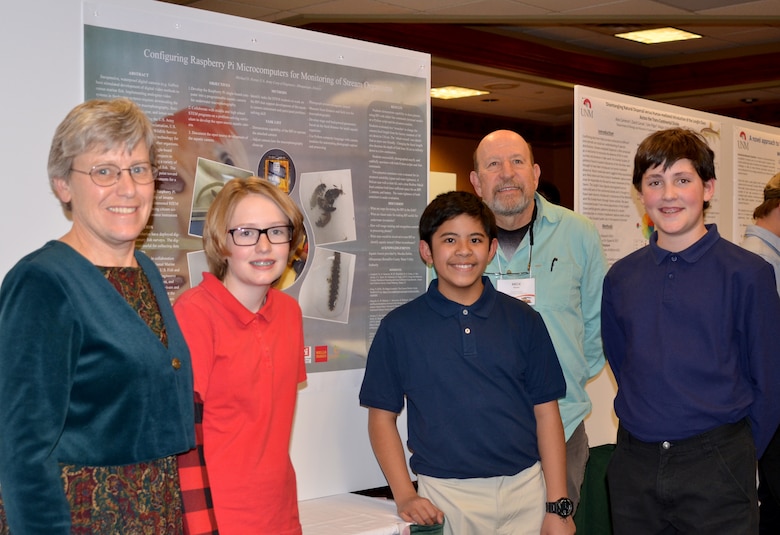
(471, 376)
(691, 339)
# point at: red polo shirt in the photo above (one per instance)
(246, 368)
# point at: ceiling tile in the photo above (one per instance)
(763, 8)
(249, 11)
(703, 5)
(354, 7)
(506, 7)
(625, 7)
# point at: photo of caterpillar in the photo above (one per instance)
(327, 287)
(333, 280)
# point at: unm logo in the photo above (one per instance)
(742, 142)
(586, 110)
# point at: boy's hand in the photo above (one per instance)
(419, 510)
(555, 525)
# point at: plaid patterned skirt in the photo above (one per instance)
(137, 499)
(3, 522)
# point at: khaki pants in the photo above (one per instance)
(504, 505)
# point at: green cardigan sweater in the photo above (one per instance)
(83, 380)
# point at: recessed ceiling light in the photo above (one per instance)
(749, 100)
(658, 35)
(452, 91)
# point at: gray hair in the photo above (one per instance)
(98, 124)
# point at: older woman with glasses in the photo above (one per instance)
(95, 375)
(247, 356)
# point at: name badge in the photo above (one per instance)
(522, 289)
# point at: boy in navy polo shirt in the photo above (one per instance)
(481, 381)
(688, 324)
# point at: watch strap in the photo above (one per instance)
(563, 507)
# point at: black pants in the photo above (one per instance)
(701, 485)
(769, 487)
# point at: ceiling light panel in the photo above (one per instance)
(452, 91)
(658, 35)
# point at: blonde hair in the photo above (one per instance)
(215, 229)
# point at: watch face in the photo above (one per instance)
(565, 507)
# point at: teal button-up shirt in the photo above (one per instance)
(568, 265)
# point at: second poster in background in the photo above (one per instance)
(608, 129)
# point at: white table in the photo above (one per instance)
(351, 514)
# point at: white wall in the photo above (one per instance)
(41, 44)
(601, 423)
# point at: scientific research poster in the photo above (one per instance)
(608, 129)
(756, 160)
(348, 143)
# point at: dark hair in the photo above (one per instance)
(765, 208)
(449, 205)
(666, 147)
(771, 198)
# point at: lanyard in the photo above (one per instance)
(530, 248)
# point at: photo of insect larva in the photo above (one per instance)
(327, 286)
(324, 198)
(333, 280)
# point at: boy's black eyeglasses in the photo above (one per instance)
(246, 237)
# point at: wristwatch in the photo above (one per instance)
(564, 507)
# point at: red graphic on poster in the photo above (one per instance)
(320, 353)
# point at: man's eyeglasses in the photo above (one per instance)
(246, 237)
(108, 174)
